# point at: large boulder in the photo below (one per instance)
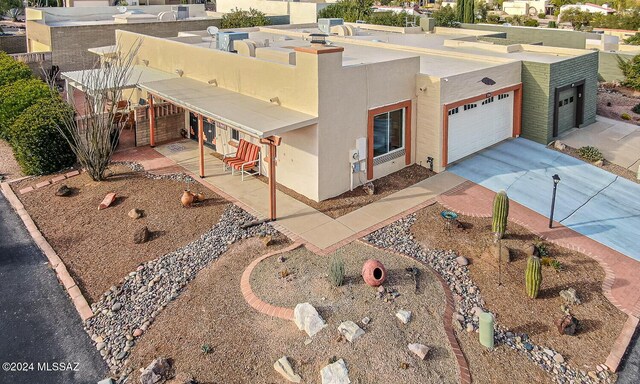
(335, 373)
(141, 235)
(283, 367)
(420, 350)
(307, 319)
(350, 330)
(570, 296)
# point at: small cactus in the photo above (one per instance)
(500, 214)
(533, 276)
(336, 271)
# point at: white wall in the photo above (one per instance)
(299, 12)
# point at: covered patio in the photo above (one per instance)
(262, 121)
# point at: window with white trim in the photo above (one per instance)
(388, 132)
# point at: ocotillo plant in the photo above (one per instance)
(533, 276)
(500, 214)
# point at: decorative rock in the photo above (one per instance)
(559, 145)
(567, 325)
(599, 163)
(530, 250)
(141, 236)
(420, 350)
(106, 202)
(64, 191)
(100, 346)
(135, 213)
(335, 373)
(366, 320)
(307, 341)
(116, 307)
(558, 358)
(266, 240)
(350, 330)
(155, 372)
(108, 380)
(137, 332)
(404, 316)
(495, 253)
(461, 260)
(569, 295)
(470, 327)
(307, 318)
(283, 367)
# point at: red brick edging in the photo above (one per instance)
(56, 263)
(447, 318)
(253, 300)
(49, 182)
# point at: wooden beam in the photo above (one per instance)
(152, 123)
(201, 143)
(272, 142)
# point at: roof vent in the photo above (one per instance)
(318, 38)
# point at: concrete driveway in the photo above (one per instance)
(590, 201)
(40, 331)
(618, 141)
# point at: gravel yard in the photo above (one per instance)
(524, 325)
(97, 246)
(245, 343)
(9, 168)
(613, 103)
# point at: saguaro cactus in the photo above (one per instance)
(533, 276)
(500, 214)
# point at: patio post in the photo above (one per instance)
(272, 142)
(152, 123)
(201, 143)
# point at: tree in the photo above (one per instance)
(633, 40)
(239, 18)
(349, 10)
(576, 17)
(15, 98)
(6, 5)
(12, 70)
(92, 137)
(481, 10)
(631, 71)
(445, 17)
(37, 143)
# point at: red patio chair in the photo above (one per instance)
(234, 156)
(250, 160)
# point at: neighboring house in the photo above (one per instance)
(300, 12)
(589, 7)
(382, 98)
(69, 32)
(525, 7)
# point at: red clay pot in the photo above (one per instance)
(187, 198)
(374, 273)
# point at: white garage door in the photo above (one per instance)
(475, 126)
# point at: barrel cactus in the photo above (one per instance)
(533, 276)
(500, 214)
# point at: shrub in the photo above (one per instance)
(529, 22)
(239, 18)
(633, 40)
(541, 249)
(625, 116)
(631, 71)
(37, 143)
(16, 97)
(12, 70)
(336, 271)
(546, 261)
(493, 18)
(349, 10)
(542, 15)
(590, 153)
(636, 109)
(445, 17)
(557, 265)
(389, 18)
(552, 24)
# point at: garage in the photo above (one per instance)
(569, 108)
(479, 124)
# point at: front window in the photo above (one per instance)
(235, 134)
(388, 132)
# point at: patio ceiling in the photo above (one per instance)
(253, 116)
(81, 79)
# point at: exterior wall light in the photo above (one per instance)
(213, 82)
(145, 62)
(275, 100)
(180, 72)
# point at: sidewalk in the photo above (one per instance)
(618, 141)
(622, 282)
(295, 218)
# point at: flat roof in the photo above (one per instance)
(256, 117)
(89, 79)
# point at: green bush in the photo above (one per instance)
(493, 18)
(349, 10)
(239, 18)
(16, 97)
(590, 153)
(529, 22)
(625, 116)
(541, 249)
(389, 18)
(39, 146)
(445, 17)
(552, 24)
(631, 71)
(633, 40)
(336, 271)
(636, 109)
(542, 15)
(11, 70)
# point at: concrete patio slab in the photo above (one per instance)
(327, 234)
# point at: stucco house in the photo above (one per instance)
(359, 106)
(589, 7)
